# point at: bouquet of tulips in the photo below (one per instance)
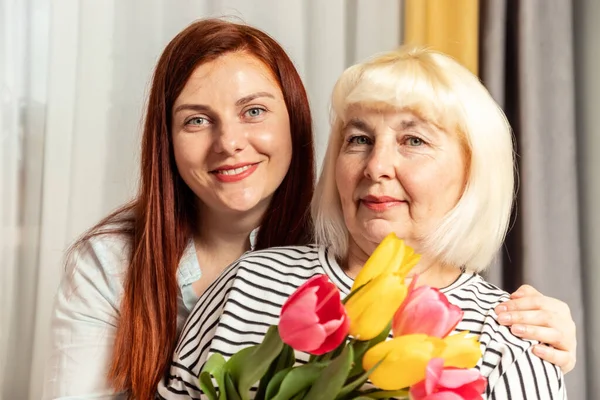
(350, 354)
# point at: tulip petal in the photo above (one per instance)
(371, 309)
(443, 396)
(314, 282)
(330, 305)
(334, 339)
(379, 261)
(298, 325)
(460, 351)
(306, 338)
(455, 378)
(433, 374)
(426, 310)
(418, 391)
(332, 325)
(411, 350)
(473, 390)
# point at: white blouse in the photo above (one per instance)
(86, 313)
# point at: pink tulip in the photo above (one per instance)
(448, 383)
(426, 310)
(313, 319)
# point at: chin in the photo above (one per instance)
(376, 230)
(242, 207)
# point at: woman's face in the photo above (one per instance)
(396, 173)
(231, 134)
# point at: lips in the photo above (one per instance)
(234, 173)
(380, 203)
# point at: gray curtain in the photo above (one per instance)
(587, 84)
(527, 62)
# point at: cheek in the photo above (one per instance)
(435, 186)
(347, 177)
(275, 141)
(190, 151)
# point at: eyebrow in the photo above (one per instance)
(240, 102)
(192, 107)
(360, 125)
(253, 96)
(409, 124)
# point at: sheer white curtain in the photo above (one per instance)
(74, 77)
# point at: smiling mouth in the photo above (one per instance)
(234, 171)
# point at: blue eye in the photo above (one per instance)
(360, 140)
(415, 141)
(197, 121)
(255, 112)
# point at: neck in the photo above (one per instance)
(431, 272)
(219, 233)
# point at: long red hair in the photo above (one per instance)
(159, 221)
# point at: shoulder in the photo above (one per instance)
(507, 361)
(477, 298)
(99, 262)
(288, 258)
(285, 253)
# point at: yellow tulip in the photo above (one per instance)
(392, 256)
(460, 351)
(405, 360)
(372, 308)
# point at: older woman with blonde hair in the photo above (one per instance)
(418, 147)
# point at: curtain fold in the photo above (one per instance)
(527, 62)
(587, 65)
(447, 26)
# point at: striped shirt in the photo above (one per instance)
(238, 308)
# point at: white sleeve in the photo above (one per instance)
(84, 322)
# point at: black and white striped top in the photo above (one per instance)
(237, 309)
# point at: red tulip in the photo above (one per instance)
(313, 319)
(448, 383)
(426, 310)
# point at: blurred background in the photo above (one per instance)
(74, 75)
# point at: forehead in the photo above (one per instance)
(232, 75)
(371, 118)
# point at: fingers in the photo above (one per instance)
(550, 336)
(525, 290)
(540, 318)
(563, 359)
(535, 303)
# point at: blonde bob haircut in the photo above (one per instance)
(444, 93)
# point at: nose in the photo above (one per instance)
(230, 139)
(381, 162)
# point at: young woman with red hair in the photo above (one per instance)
(227, 148)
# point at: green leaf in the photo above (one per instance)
(384, 394)
(207, 386)
(332, 379)
(352, 293)
(232, 393)
(275, 383)
(300, 396)
(361, 347)
(361, 398)
(357, 383)
(285, 359)
(298, 379)
(215, 366)
(249, 365)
